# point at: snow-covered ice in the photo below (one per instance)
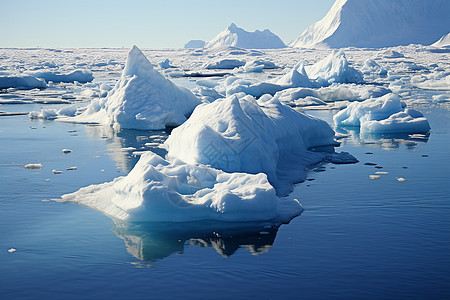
(25, 82)
(81, 76)
(241, 134)
(141, 99)
(159, 190)
(386, 114)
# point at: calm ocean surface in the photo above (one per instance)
(357, 238)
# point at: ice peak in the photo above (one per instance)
(136, 63)
(232, 27)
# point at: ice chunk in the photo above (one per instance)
(81, 76)
(225, 63)
(33, 166)
(141, 99)
(334, 69)
(238, 37)
(241, 134)
(444, 41)
(21, 82)
(66, 151)
(386, 114)
(158, 190)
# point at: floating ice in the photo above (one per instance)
(56, 172)
(158, 190)
(226, 63)
(241, 134)
(386, 114)
(33, 166)
(334, 69)
(444, 41)
(374, 176)
(21, 82)
(65, 151)
(81, 76)
(141, 99)
(238, 37)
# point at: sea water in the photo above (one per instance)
(358, 238)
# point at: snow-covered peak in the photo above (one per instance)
(238, 37)
(378, 23)
(137, 63)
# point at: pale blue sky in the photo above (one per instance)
(148, 24)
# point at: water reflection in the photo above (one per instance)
(124, 146)
(385, 141)
(152, 241)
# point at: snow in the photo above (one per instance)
(81, 76)
(334, 69)
(141, 99)
(386, 114)
(159, 190)
(238, 37)
(443, 42)
(378, 23)
(25, 82)
(225, 63)
(241, 134)
(195, 44)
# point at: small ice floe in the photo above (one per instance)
(401, 179)
(128, 149)
(33, 166)
(138, 152)
(72, 169)
(152, 144)
(47, 179)
(66, 151)
(12, 250)
(374, 176)
(381, 173)
(56, 172)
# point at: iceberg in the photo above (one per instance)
(195, 44)
(334, 69)
(160, 191)
(378, 23)
(241, 134)
(238, 37)
(141, 99)
(386, 114)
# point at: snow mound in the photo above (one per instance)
(21, 82)
(443, 42)
(82, 76)
(158, 190)
(334, 69)
(141, 99)
(386, 114)
(226, 63)
(378, 23)
(241, 134)
(296, 77)
(238, 37)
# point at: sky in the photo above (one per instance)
(148, 24)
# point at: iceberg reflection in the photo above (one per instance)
(152, 241)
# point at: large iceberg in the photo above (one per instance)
(141, 99)
(241, 134)
(386, 114)
(158, 190)
(238, 37)
(378, 23)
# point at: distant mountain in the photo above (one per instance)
(195, 44)
(378, 23)
(238, 37)
(444, 41)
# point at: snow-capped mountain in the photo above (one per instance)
(378, 23)
(238, 37)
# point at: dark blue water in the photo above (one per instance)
(357, 238)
